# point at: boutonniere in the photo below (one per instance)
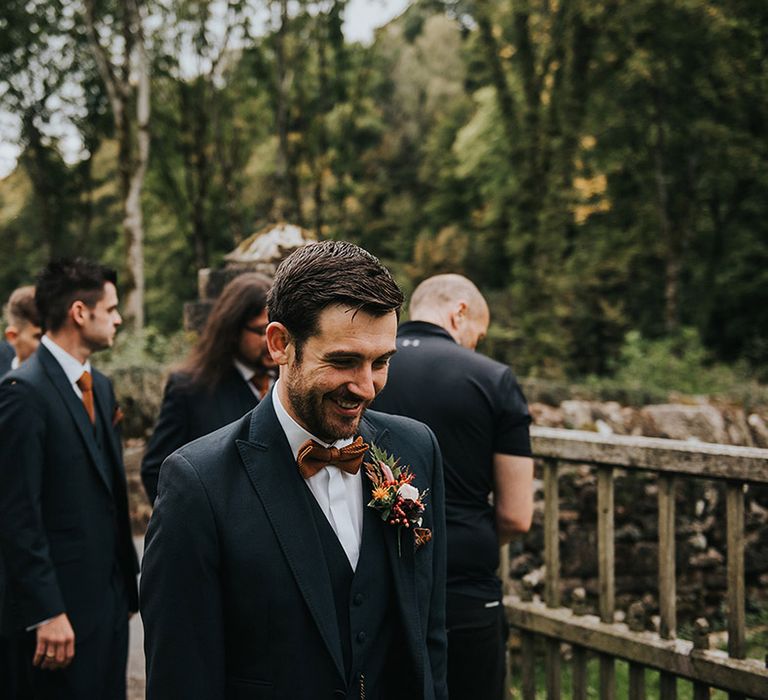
(398, 501)
(117, 416)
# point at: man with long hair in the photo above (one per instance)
(227, 373)
(64, 528)
(266, 574)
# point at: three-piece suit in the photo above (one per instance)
(247, 593)
(64, 524)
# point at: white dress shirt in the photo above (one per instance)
(72, 367)
(339, 495)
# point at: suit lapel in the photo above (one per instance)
(76, 409)
(269, 463)
(401, 555)
(104, 411)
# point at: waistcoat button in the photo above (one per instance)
(361, 637)
(357, 599)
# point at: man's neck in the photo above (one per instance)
(70, 342)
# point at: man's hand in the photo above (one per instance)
(55, 644)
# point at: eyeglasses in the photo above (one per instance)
(258, 330)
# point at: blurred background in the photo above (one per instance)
(598, 167)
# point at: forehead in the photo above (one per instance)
(109, 296)
(345, 328)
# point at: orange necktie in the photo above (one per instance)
(312, 457)
(85, 384)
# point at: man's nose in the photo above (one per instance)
(362, 384)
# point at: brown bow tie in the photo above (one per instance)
(85, 384)
(312, 457)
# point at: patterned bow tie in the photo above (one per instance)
(312, 457)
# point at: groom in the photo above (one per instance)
(266, 574)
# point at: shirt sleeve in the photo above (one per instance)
(513, 419)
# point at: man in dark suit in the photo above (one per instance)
(22, 333)
(227, 373)
(264, 578)
(7, 353)
(64, 526)
(480, 417)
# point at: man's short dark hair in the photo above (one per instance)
(67, 280)
(21, 308)
(326, 274)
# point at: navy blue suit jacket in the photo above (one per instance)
(64, 522)
(235, 595)
(189, 412)
(7, 353)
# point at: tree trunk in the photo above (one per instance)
(133, 147)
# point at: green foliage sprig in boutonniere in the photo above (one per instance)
(393, 494)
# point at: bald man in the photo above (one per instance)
(480, 417)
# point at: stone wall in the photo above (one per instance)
(700, 543)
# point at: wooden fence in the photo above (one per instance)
(672, 462)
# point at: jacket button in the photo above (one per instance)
(339, 693)
(358, 599)
(361, 637)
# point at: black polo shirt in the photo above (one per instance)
(476, 409)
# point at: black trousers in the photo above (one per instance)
(477, 637)
(98, 670)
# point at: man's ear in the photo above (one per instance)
(459, 315)
(79, 312)
(279, 343)
(11, 333)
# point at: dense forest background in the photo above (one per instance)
(598, 167)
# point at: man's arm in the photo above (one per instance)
(22, 534)
(180, 596)
(512, 495)
(171, 432)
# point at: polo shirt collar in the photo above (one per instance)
(423, 328)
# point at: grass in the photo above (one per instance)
(684, 687)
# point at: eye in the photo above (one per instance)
(341, 362)
(381, 363)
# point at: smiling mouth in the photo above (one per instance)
(346, 404)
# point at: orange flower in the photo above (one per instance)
(380, 493)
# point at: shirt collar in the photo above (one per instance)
(246, 372)
(424, 328)
(295, 434)
(72, 367)
(15, 362)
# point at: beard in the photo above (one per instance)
(315, 415)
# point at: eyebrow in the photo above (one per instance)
(343, 354)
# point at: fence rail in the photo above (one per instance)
(673, 462)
